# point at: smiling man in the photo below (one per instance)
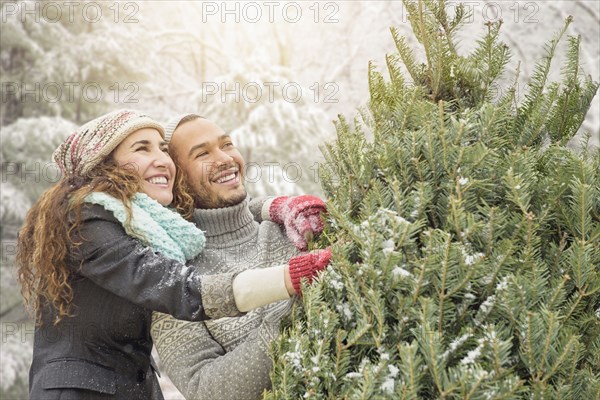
(228, 358)
(206, 154)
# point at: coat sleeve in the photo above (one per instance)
(201, 369)
(124, 266)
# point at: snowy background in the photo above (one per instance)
(274, 74)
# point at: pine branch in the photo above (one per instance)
(410, 369)
(407, 56)
(534, 98)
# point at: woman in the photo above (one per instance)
(89, 270)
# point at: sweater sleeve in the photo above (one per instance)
(201, 369)
(257, 206)
(124, 266)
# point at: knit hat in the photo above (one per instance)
(93, 142)
(174, 122)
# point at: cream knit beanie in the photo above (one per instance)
(93, 142)
(174, 122)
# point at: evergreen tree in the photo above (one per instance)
(465, 234)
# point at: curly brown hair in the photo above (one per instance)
(48, 233)
(183, 201)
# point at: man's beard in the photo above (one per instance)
(208, 202)
(206, 199)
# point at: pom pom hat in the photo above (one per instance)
(93, 142)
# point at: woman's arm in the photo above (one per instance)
(124, 266)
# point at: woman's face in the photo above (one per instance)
(146, 151)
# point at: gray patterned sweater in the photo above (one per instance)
(226, 358)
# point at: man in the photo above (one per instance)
(228, 358)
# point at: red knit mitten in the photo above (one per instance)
(307, 266)
(301, 217)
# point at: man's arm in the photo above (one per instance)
(201, 369)
(257, 206)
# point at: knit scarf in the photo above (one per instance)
(160, 228)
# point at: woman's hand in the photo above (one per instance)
(305, 266)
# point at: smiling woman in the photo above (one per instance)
(146, 151)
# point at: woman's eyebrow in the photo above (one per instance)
(144, 142)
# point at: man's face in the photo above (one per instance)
(212, 164)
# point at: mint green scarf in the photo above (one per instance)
(160, 228)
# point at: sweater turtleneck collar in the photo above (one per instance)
(223, 225)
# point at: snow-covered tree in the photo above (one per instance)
(275, 123)
(465, 234)
(76, 66)
(26, 155)
(15, 359)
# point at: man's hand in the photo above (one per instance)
(301, 217)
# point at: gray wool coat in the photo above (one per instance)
(103, 350)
